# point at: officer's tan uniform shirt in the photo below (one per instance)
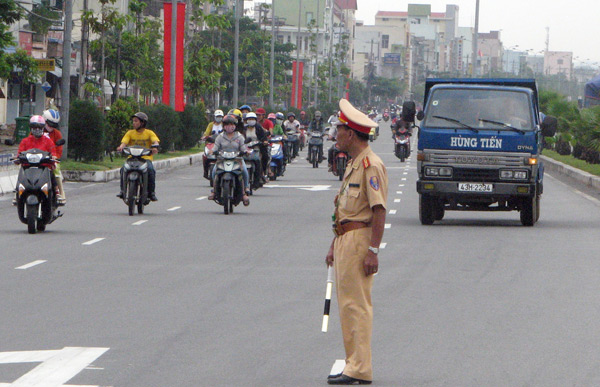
(366, 188)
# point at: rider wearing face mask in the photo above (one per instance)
(216, 126)
(231, 140)
(254, 132)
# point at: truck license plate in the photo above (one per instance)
(475, 187)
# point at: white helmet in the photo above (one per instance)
(218, 113)
(51, 116)
(250, 115)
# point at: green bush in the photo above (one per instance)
(87, 128)
(119, 122)
(193, 123)
(165, 122)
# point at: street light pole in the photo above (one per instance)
(272, 64)
(65, 81)
(298, 44)
(236, 51)
(475, 40)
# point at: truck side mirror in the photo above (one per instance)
(549, 126)
(420, 115)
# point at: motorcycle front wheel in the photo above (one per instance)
(32, 213)
(226, 196)
(132, 188)
(315, 157)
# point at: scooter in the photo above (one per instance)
(315, 148)
(302, 138)
(339, 164)
(135, 176)
(36, 193)
(277, 163)
(292, 145)
(229, 183)
(252, 161)
(208, 158)
(402, 143)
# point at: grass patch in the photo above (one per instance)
(594, 169)
(117, 161)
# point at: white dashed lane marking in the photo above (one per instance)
(403, 179)
(201, 198)
(95, 240)
(30, 264)
(396, 200)
(388, 225)
(382, 245)
(174, 208)
(392, 212)
(399, 192)
(139, 222)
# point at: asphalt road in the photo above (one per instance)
(187, 296)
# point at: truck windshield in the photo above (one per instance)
(480, 109)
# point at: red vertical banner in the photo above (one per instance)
(167, 54)
(292, 101)
(179, 102)
(300, 79)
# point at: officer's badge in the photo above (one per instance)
(374, 181)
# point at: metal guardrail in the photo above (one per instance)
(5, 162)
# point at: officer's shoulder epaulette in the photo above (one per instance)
(366, 162)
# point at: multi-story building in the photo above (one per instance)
(490, 52)
(558, 62)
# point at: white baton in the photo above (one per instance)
(327, 299)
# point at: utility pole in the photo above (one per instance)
(84, 53)
(298, 44)
(173, 53)
(475, 40)
(65, 81)
(236, 51)
(272, 59)
(370, 73)
(331, 5)
(317, 59)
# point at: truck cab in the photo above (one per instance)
(478, 148)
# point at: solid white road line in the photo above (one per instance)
(388, 225)
(139, 222)
(31, 264)
(95, 240)
(578, 192)
(174, 208)
(396, 200)
(382, 245)
(201, 198)
(392, 212)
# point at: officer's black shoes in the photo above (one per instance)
(346, 380)
(153, 197)
(334, 376)
(120, 195)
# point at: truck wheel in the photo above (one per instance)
(426, 210)
(529, 211)
(438, 210)
(537, 203)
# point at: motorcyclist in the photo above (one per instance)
(237, 114)
(316, 125)
(261, 114)
(232, 141)
(304, 120)
(255, 132)
(332, 152)
(37, 140)
(292, 125)
(52, 118)
(141, 136)
(216, 126)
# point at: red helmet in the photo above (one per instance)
(261, 111)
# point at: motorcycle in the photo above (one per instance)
(277, 163)
(229, 183)
(302, 138)
(315, 148)
(292, 145)
(402, 143)
(339, 164)
(135, 176)
(36, 194)
(252, 160)
(386, 117)
(373, 134)
(208, 158)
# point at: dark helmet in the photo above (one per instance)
(291, 114)
(141, 116)
(279, 116)
(230, 119)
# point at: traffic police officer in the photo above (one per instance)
(359, 221)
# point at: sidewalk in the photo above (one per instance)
(9, 174)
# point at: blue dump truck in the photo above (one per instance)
(479, 146)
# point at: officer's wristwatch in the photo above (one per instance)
(374, 250)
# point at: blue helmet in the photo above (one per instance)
(246, 107)
(51, 116)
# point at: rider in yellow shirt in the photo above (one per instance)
(141, 136)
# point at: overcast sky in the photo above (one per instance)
(574, 24)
